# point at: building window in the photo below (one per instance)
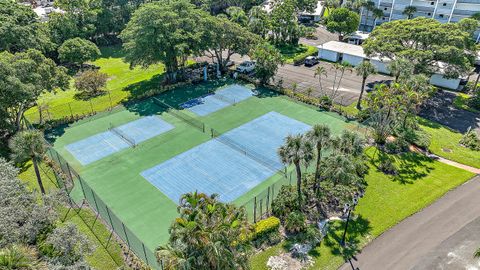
(429, 14)
(385, 9)
(441, 15)
(432, 3)
(444, 4)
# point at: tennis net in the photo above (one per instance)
(182, 116)
(267, 162)
(122, 135)
(225, 98)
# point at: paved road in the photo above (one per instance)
(442, 236)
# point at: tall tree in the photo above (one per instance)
(78, 51)
(342, 21)
(258, 21)
(320, 137)
(409, 11)
(320, 72)
(20, 29)
(339, 69)
(27, 145)
(285, 28)
(364, 70)
(268, 58)
(237, 14)
(163, 32)
(296, 150)
(223, 38)
(424, 42)
(331, 4)
(207, 235)
(400, 68)
(23, 77)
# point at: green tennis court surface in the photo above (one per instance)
(116, 178)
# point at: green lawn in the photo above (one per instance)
(461, 102)
(445, 143)
(290, 52)
(123, 82)
(387, 201)
(100, 259)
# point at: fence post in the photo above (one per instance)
(126, 236)
(83, 189)
(145, 253)
(110, 97)
(91, 106)
(95, 201)
(268, 199)
(71, 112)
(255, 210)
(261, 208)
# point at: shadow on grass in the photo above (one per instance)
(358, 229)
(410, 166)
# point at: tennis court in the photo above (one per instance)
(232, 152)
(101, 145)
(229, 165)
(218, 100)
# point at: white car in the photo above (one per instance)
(246, 67)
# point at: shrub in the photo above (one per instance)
(471, 140)
(312, 236)
(266, 231)
(417, 137)
(399, 145)
(285, 202)
(474, 101)
(295, 222)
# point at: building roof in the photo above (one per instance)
(359, 35)
(342, 47)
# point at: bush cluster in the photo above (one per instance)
(267, 232)
(471, 140)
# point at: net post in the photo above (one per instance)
(255, 209)
(268, 199)
(261, 208)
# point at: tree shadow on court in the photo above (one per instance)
(358, 229)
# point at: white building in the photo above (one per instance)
(44, 12)
(442, 10)
(335, 51)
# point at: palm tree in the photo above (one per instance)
(319, 136)
(376, 13)
(400, 68)
(477, 253)
(365, 69)
(296, 150)
(18, 258)
(409, 11)
(29, 145)
(320, 71)
(340, 69)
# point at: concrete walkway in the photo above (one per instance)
(420, 241)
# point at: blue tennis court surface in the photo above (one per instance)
(220, 99)
(215, 167)
(106, 143)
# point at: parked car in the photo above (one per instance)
(246, 67)
(311, 61)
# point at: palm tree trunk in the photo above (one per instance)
(317, 168)
(37, 173)
(299, 184)
(359, 103)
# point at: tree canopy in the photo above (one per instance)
(163, 32)
(342, 21)
(424, 42)
(23, 77)
(207, 235)
(78, 51)
(20, 29)
(267, 60)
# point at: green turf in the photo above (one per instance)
(116, 179)
(462, 102)
(446, 143)
(387, 201)
(123, 82)
(290, 52)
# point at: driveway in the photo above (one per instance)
(442, 236)
(440, 109)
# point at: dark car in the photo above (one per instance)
(311, 61)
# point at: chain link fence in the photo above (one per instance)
(67, 177)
